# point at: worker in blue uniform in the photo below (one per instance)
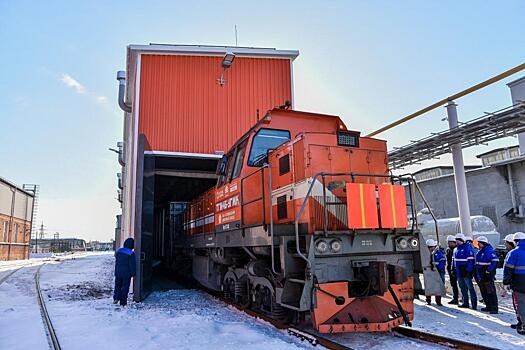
(510, 245)
(451, 242)
(486, 264)
(124, 270)
(438, 262)
(514, 276)
(463, 261)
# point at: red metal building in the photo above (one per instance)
(185, 106)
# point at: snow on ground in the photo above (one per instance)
(78, 291)
(21, 325)
(469, 325)
(79, 302)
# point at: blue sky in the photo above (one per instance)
(368, 61)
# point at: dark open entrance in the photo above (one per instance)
(168, 184)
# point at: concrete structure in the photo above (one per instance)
(437, 171)
(492, 192)
(16, 211)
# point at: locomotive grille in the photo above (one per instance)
(348, 138)
(282, 211)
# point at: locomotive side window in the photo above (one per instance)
(224, 169)
(239, 159)
(264, 140)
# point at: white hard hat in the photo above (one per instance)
(519, 235)
(483, 239)
(451, 238)
(431, 243)
(509, 238)
(460, 236)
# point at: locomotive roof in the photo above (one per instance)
(285, 111)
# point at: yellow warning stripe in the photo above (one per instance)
(393, 205)
(362, 200)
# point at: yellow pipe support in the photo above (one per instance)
(450, 98)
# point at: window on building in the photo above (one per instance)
(264, 140)
(490, 212)
(15, 240)
(5, 231)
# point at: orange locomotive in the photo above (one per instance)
(305, 219)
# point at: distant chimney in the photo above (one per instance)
(517, 93)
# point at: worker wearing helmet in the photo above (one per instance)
(451, 242)
(438, 261)
(514, 276)
(509, 242)
(486, 264)
(463, 262)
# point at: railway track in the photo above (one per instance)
(3, 279)
(50, 330)
(318, 339)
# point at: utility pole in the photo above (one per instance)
(459, 174)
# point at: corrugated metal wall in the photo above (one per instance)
(183, 108)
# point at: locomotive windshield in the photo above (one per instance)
(264, 140)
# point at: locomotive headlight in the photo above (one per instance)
(402, 243)
(414, 243)
(335, 246)
(321, 246)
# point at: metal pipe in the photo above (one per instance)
(459, 174)
(416, 185)
(450, 98)
(511, 187)
(121, 77)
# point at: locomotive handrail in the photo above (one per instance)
(308, 193)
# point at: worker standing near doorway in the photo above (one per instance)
(451, 242)
(486, 263)
(124, 271)
(514, 276)
(463, 261)
(438, 262)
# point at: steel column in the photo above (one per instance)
(459, 174)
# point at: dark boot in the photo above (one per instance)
(494, 311)
(438, 300)
(453, 302)
(429, 300)
(464, 306)
(521, 330)
(516, 325)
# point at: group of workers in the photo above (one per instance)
(465, 263)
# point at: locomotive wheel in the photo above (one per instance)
(229, 288)
(241, 292)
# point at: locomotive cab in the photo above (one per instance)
(306, 220)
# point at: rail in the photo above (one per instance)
(47, 320)
(315, 338)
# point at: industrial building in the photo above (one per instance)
(16, 211)
(184, 107)
(496, 189)
(58, 245)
